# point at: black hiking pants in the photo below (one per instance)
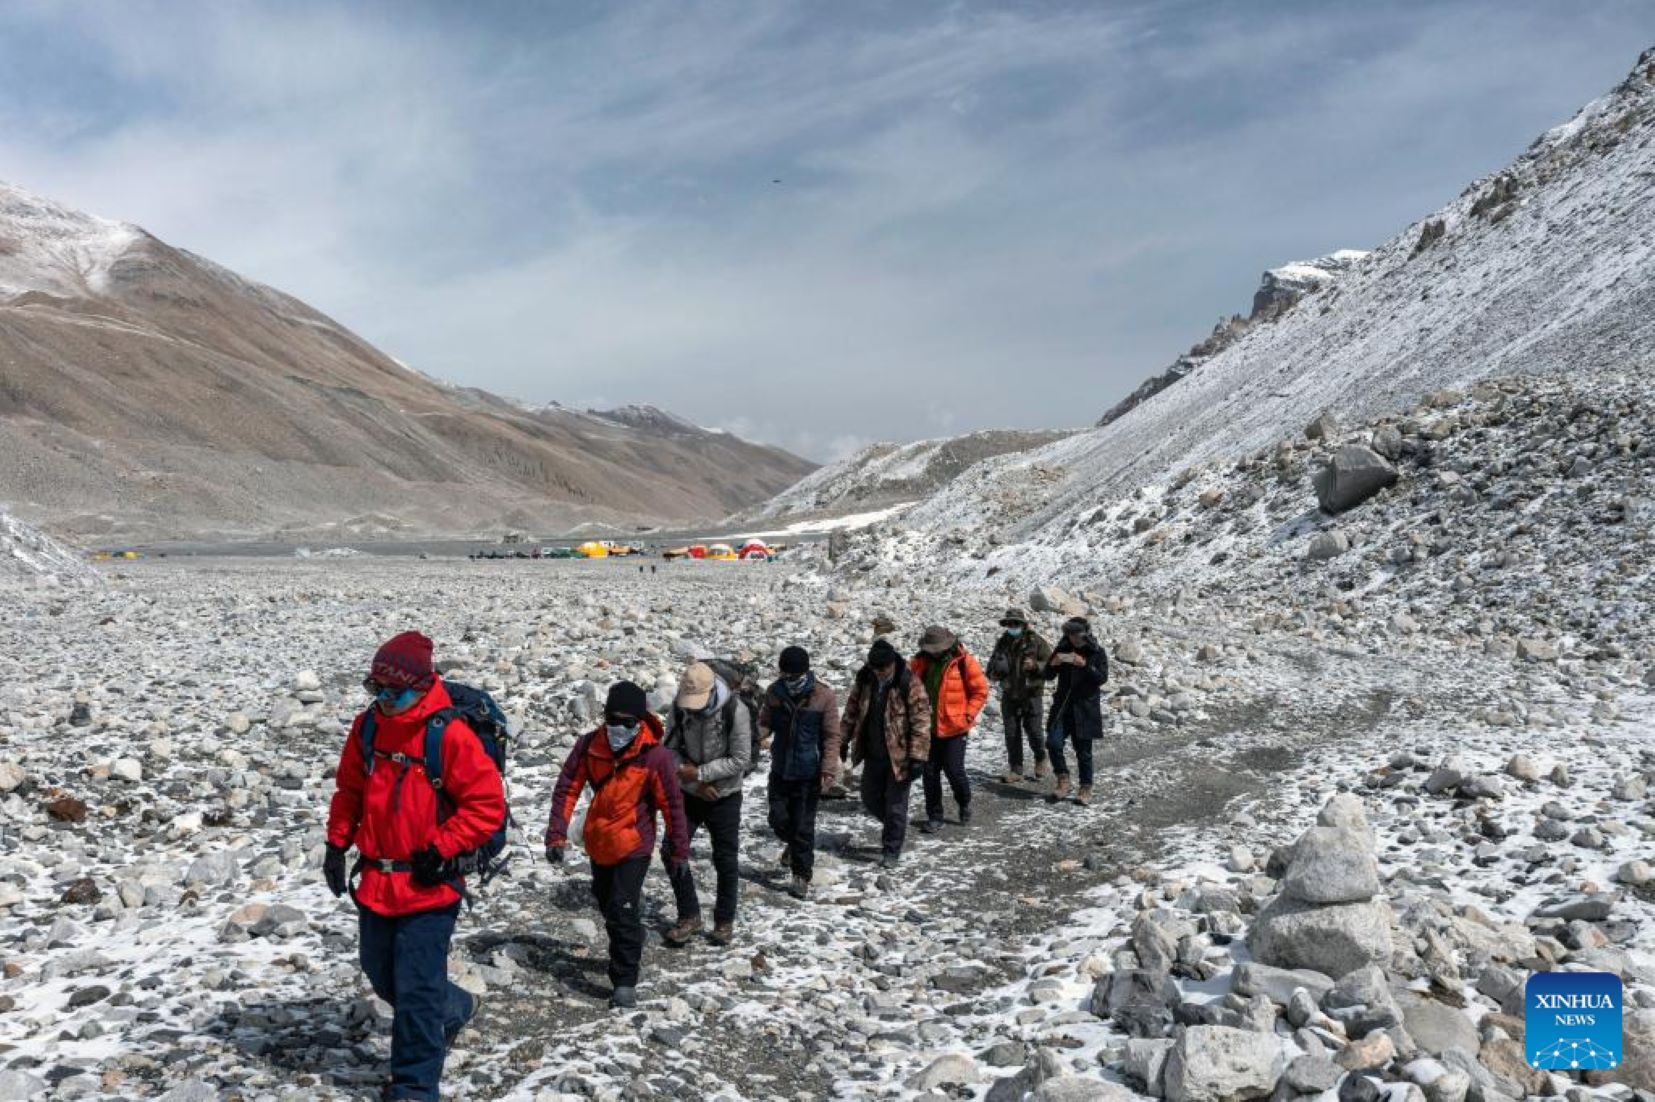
(1083, 753)
(947, 759)
(886, 799)
(620, 891)
(793, 818)
(722, 818)
(1025, 720)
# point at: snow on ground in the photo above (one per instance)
(847, 523)
(29, 555)
(883, 474)
(179, 933)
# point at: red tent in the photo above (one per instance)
(754, 549)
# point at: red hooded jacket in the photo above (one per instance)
(391, 814)
(626, 793)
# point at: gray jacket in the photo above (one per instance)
(718, 740)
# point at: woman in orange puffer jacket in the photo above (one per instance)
(957, 688)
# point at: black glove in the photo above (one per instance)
(333, 870)
(430, 867)
(554, 854)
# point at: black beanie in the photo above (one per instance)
(795, 661)
(882, 654)
(626, 699)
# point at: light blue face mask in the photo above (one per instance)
(1014, 632)
(392, 701)
(620, 735)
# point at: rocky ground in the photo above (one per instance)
(167, 740)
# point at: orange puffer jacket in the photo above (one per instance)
(962, 695)
(627, 792)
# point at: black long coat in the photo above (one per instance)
(1077, 698)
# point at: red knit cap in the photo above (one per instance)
(403, 661)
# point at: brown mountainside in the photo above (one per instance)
(147, 392)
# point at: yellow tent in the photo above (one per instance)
(592, 551)
(721, 552)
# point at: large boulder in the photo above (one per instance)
(1146, 1062)
(1353, 475)
(1155, 937)
(1436, 1028)
(1049, 598)
(1332, 939)
(1139, 1002)
(949, 1069)
(1215, 1063)
(1278, 984)
(1345, 809)
(1332, 865)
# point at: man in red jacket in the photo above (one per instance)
(633, 776)
(409, 896)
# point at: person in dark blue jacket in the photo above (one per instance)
(800, 718)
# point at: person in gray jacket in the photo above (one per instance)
(711, 737)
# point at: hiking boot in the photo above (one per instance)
(680, 934)
(723, 933)
(1042, 770)
(930, 826)
(1061, 792)
(624, 998)
(965, 814)
(1083, 797)
(452, 1032)
(1014, 777)
(799, 888)
(889, 860)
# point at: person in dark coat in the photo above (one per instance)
(1080, 668)
(888, 721)
(1018, 667)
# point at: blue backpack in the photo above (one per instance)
(488, 722)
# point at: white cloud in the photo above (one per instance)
(985, 216)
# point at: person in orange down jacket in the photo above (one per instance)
(633, 776)
(957, 688)
(409, 839)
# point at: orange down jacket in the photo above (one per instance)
(962, 695)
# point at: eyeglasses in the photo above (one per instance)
(620, 720)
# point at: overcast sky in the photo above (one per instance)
(817, 224)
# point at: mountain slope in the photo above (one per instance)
(1548, 265)
(147, 391)
(1279, 291)
(883, 475)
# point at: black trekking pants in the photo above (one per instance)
(722, 818)
(1025, 720)
(620, 890)
(947, 758)
(886, 799)
(793, 818)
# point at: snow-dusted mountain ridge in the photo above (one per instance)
(147, 392)
(1547, 265)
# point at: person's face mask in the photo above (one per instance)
(1014, 632)
(391, 700)
(620, 735)
(885, 673)
(797, 684)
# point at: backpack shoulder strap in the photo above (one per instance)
(365, 738)
(436, 726)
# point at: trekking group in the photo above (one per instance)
(419, 837)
